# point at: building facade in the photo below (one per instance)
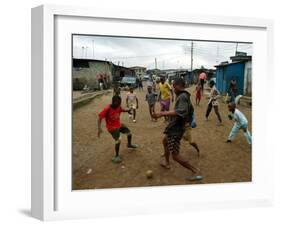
(91, 73)
(139, 71)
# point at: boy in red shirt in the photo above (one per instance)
(111, 114)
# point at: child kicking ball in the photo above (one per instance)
(111, 114)
(240, 123)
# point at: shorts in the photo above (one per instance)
(165, 105)
(133, 106)
(173, 143)
(187, 136)
(116, 133)
(150, 105)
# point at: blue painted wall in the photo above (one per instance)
(225, 73)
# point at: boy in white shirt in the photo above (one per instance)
(240, 122)
(132, 102)
(213, 102)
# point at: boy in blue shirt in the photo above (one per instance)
(240, 123)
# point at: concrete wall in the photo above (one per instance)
(93, 73)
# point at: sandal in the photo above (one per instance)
(195, 177)
(134, 146)
(116, 159)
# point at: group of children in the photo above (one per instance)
(178, 126)
(240, 121)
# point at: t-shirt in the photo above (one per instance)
(151, 98)
(239, 118)
(202, 76)
(112, 117)
(132, 98)
(165, 90)
(177, 123)
(214, 95)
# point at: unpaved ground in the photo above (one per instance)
(92, 166)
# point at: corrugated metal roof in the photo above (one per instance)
(237, 62)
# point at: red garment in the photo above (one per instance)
(198, 92)
(112, 117)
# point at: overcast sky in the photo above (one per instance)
(170, 54)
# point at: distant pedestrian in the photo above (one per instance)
(213, 102)
(150, 97)
(101, 85)
(232, 90)
(140, 85)
(116, 90)
(240, 123)
(202, 79)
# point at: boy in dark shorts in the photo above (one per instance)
(176, 128)
(150, 97)
(111, 114)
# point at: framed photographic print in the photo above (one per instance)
(136, 113)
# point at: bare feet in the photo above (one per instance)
(165, 165)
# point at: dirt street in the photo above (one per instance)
(219, 161)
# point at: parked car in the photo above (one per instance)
(129, 81)
(146, 78)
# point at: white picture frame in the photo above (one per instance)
(52, 197)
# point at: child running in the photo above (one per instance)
(240, 122)
(132, 102)
(165, 95)
(213, 102)
(175, 129)
(111, 114)
(150, 97)
(198, 93)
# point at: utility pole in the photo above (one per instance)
(93, 49)
(86, 55)
(82, 51)
(191, 60)
(155, 66)
(218, 51)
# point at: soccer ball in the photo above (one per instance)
(149, 174)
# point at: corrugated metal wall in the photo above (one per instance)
(226, 73)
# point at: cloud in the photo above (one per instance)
(143, 51)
